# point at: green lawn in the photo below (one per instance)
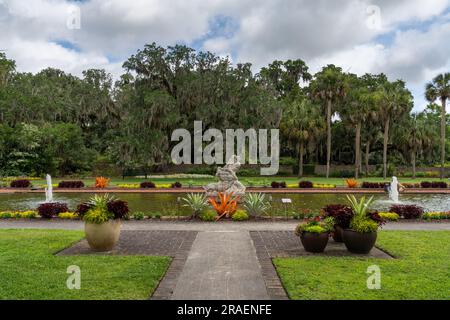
(257, 181)
(422, 270)
(29, 270)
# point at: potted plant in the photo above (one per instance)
(102, 216)
(342, 215)
(314, 233)
(361, 235)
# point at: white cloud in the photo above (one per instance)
(320, 32)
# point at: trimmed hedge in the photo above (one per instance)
(407, 211)
(22, 183)
(306, 184)
(278, 185)
(51, 209)
(71, 184)
(148, 185)
(434, 185)
(177, 185)
(373, 185)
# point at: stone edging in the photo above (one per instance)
(274, 287)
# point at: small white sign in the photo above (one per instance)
(286, 200)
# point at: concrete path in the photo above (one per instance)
(223, 266)
(204, 226)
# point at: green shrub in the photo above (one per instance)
(389, 216)
(314, 229)
(6, 215)
(315, 225)
(363, 225)
(157, 216)
(248, 173)
(138, 215)
(436, 215)
(240, 215)
(342, 174)
(96, 215)
(208, 216)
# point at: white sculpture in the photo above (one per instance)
(393, 190)
(228, 181)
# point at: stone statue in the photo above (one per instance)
(228, 181)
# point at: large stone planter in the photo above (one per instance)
(357, 242)
(314, 242)
(103, 237)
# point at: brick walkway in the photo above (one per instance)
(221, 266)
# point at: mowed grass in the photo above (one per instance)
(29, 269)
(421, 271)
(256, 181)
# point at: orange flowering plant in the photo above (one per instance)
(351, 183)
(101, 182)
(226, 206)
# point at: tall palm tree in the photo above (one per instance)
(394, 101)
(329, 86)
(414, 135)
(357, 111)
(439, 88)
(302, 119)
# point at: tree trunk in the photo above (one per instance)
(300, 159)
(385, 143)
(413, 162)
(357, 149)
(367, 157)
(443, 125)
(328, 137)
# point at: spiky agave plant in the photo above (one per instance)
(100, 201)
(359, 207)
(256, 204)
(362, 221)
(197, 202)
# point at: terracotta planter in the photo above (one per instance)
(337, 234)
(357, 242)
(103, 237)
(314, 242)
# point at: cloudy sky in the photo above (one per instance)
(406, 39)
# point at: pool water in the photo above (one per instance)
(170, 204)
